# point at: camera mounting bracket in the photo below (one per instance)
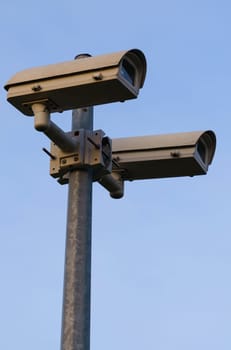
(93, 150)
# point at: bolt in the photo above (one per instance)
(36, 88)
(175, 154)
(97, 76)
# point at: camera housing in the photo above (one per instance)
(79, 83)
(160, 156)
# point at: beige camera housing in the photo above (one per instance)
(79, 83)
(160, 156)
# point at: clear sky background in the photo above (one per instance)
(161, 255)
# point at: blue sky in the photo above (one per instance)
(161, 255)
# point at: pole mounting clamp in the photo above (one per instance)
(93, 150)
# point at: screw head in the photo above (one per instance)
(36, 88)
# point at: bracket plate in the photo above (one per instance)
(93, 150)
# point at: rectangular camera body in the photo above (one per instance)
(79, 83)
(160, 156)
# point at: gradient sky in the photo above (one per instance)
(161, 255)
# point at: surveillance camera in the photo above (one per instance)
(159, 156)
(79, 83)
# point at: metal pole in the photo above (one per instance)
(77, 276)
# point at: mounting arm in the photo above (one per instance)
(43, 123)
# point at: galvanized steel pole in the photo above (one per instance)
(77, 276)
